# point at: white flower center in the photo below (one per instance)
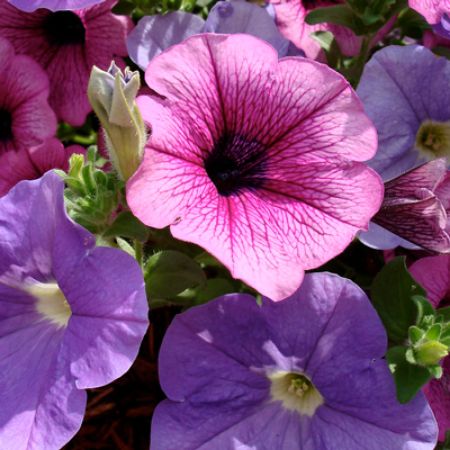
(296, 392)
(51, 302)
(433, 139)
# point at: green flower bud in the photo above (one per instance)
(430, 353)
(112, 95)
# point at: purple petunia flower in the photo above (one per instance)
(436, 13)
(304, 373)
(72, 316)
(26, 118)
(153, 34)
(53, 5)
(405, 91)
(255, 159)
(67, 44)
(415, 211)
(433, 273)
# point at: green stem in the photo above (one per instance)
(139, 252)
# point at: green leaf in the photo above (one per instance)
(415, 334)
(169, 272)
(214, 287)
(425, 311)
(445, 313)
(408, 378)
(392, 292)
(339, 15)
(434, 332)
(329, 45)
(125, 246)
(127, 225)
(124, 7)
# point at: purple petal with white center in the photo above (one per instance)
(238, 16)
(291, 203)
(153, 34)
(401, 87)
(45, 359)
(219, 391)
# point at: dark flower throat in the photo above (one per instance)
(64, 28)
(235, 163)
(6, 133)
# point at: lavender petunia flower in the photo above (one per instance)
(67, 44)
(153, 34)
(433, 273)
(405, 91)
(436, 13)
(304, 373)
(256, 159)
(415, 210)
(72, 316)
(53, 5)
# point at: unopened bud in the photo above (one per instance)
(430, 353)
(112, 95)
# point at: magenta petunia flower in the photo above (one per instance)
(67, 44)
(72, 316)
(433, 273)
(304, 373)
(32, 163)
(26, 118)
(254, 159)
(53, 5)
(416, 209)
(436, 13)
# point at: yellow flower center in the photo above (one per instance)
(51, 303)
(296, 392)
(433, 139)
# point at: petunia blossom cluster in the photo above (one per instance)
(233, 171)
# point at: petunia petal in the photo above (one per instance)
(153, 34)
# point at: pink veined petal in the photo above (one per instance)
(307, 129)
(422, 222)
(433, 273)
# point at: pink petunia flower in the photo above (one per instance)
(26, 118)
(433, 273)
(254, 159)
(33, 163)
(67, 44)
(436, 13)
